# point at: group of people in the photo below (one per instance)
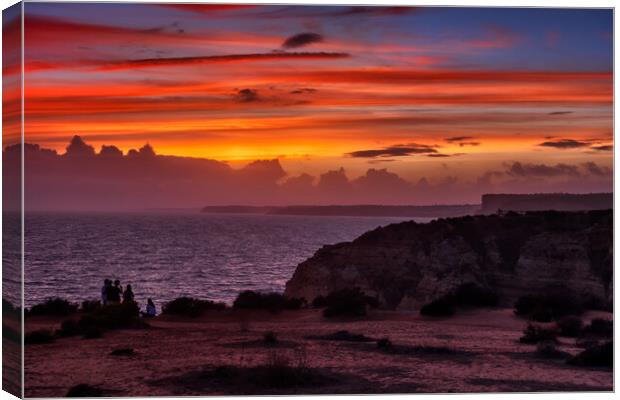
(113, 293)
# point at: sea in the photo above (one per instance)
(165, 255)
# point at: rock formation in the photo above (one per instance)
(408, 264)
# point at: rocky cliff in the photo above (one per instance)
(408, 264)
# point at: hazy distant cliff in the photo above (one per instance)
(408, 264)
(491, 203)
(354, 210)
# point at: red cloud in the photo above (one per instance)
(44, 30)
(175, 61)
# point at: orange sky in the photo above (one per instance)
(223, 83)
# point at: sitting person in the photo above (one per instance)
(150, 309)
(128, 295)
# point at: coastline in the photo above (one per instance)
(464, 341)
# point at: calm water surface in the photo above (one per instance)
(166, 255)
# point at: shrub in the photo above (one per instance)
(191, 307)
(465, 295)
(9, 309)
(54, 306)
(274, 302)
(593, 302)
(90, 305)
(525, 305)
(319, 302)
(93, 324)
(372, 302)
(423, 349)
(599, 355)
(41, 336)
(471, 294)
(542, 315)
(7, 306)
(549, 349)
(441, 307)
(278, 372)
(536, 334)
(270, 337)
(384, 344)
(69, 327)
(345, 336)
(600, 327)
(84, 390)
(570, 326)
(117, 316)
(128, 351)
(556, 302)
(350, 302)
(270, 377)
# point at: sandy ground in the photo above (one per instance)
(173, 354)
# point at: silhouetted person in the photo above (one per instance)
(105, 289)
(150, 309)
(118, 286)
(115, 292)
(128, 295)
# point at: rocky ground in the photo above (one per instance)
(226, 352)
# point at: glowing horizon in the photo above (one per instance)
(416, 90)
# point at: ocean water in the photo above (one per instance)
(167, 255)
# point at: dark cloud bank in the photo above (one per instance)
(565, 144)
(84, 179)
(462, 141)
(302, 39)
(247, 95)
(394, 151)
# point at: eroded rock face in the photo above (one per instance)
(407, 264)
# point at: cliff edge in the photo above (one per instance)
(408, 264)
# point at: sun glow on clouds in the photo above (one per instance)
(218, 82)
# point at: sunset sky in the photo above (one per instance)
(424, 92)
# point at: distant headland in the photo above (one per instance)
(351, 211)
(490, 203)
